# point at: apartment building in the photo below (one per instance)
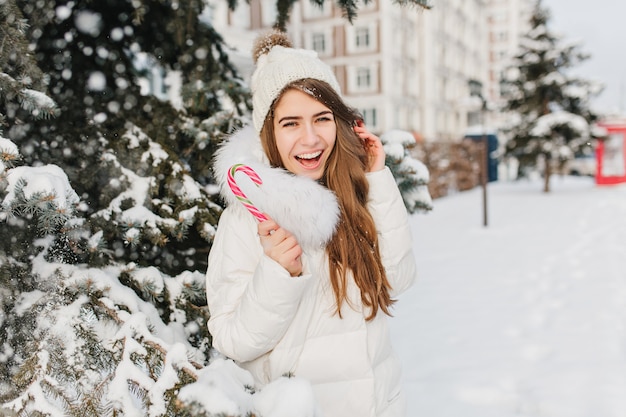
(458, 32)
(402, 67)
(508, 21)
(376, 59)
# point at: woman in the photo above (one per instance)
(308, 291)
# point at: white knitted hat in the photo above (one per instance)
(278, 64)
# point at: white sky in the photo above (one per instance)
(601, 28)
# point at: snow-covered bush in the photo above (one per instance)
(411, 175)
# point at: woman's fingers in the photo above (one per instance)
(281, 246)
(267, 227)
(373, 146)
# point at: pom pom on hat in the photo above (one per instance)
(264, 43)
(278, 64)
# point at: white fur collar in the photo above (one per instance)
(299, 204)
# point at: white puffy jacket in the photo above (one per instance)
(273, 324)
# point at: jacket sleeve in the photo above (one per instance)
(252, 299)
(394, 234)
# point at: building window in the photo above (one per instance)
(362, 38)
(319, 43)
(370, 117)
(473, 118)
(363, 78)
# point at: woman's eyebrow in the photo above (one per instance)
(287, 118)
(282, 119)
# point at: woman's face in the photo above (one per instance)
(305, 133)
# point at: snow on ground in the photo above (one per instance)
(524, 317)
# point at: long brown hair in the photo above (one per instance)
(354, 246)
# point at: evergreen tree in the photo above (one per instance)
(551, 116)
(140, 164)
(108, 205)
(411, 175)
(124, 245)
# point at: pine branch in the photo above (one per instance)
(9, 154)
(349, 8)
(38, 104)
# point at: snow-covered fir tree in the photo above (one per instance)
(411, 175)
(109, 208)
(551, 119)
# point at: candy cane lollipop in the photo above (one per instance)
(240, 194)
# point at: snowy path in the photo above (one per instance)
(525, 317)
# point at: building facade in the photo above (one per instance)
(508, 21)
(402, 67)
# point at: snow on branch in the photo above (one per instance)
(37, 103)
(411, 175)
(9, 153)
(546, 124)
(48, 181)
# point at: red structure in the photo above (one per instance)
(611, 154)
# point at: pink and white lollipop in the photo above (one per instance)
(240, 194)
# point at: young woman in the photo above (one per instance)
(308, 291)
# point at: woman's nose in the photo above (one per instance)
(309, 136)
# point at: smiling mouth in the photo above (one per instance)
(309, 159)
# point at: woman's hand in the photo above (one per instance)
(373, 146)
(281, 246)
